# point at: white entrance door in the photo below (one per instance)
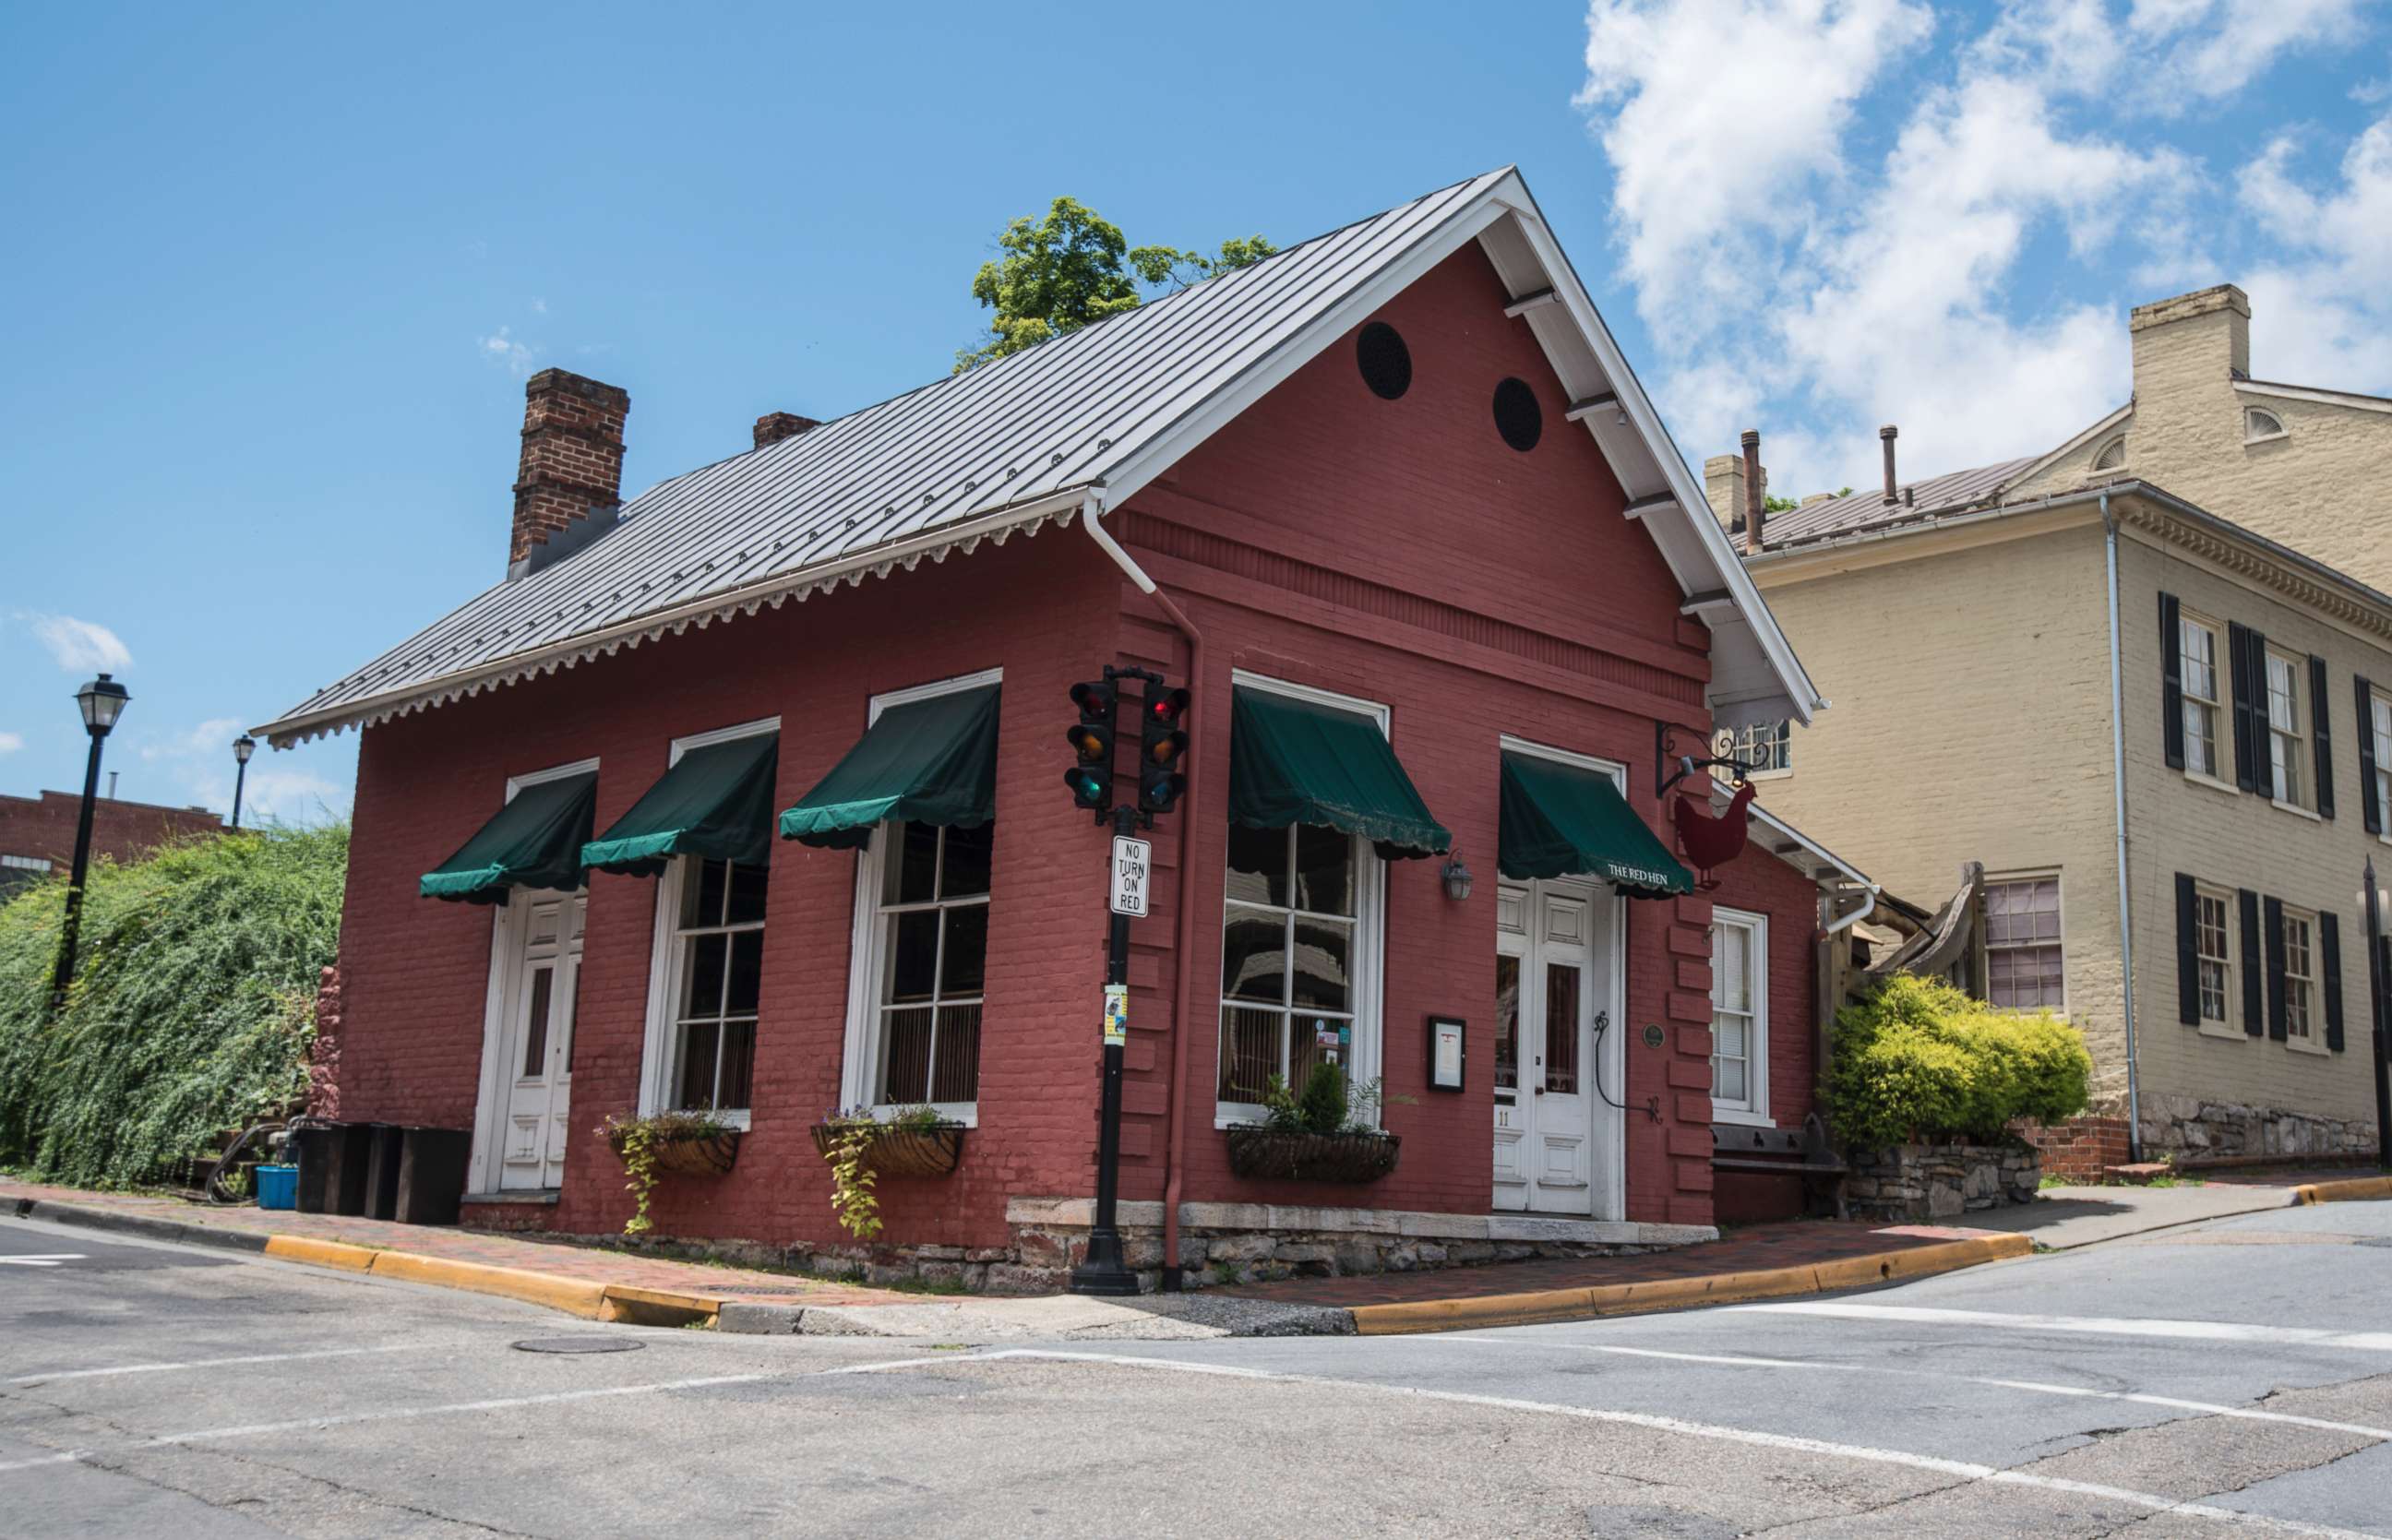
(1556, 1145)
(535, 1042)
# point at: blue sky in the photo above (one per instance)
(280, 272)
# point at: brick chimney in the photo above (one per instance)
(572, 457)
(772, 427)
(2201, 336)
(1724, 489)
(1756, 491)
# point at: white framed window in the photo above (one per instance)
(2025, 968)
(1739, 1016)
(1765, 747)
(705, 973)
(2379, 723)
(1302, 917)
(2300, 979)
(920, 954)
(2197, 649)
(2259, 425)
(2284, 730)
(2213, 937)
(24, 863)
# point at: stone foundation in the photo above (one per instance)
(1220, 1243)
(1912, 1183)
(2193, 1128)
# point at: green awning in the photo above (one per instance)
(927, 761)
(717, 802)
(534, 841)
(1561, 820)
(1292, 761)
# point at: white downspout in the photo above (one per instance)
(2118, 787)
(1846, 922)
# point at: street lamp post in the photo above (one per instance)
(103, 701)
(2377, 1013)
(243, 747)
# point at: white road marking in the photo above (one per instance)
(50, 1260)
(2104, 1326)
(397, 1414)
(2248, 1414)
(1963, 1468)
(207, 1363)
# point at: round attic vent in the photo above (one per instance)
(1517, 416)
(1387, 362)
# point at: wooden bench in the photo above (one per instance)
(1784, 1152)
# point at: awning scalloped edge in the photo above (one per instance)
(730, 609)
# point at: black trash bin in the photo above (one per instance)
(311, 1149)
(432, 1174)
(344, 1168)
(384, 1146)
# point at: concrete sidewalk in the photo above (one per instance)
(2065, 1218)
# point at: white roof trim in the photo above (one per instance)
(2072, 447)
(2306, 393)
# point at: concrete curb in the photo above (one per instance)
(593, 1302)
(1581, 1305)
(2351, 1190)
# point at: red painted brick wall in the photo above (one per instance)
(44, 826)
(1760, 883)
(1396, 550)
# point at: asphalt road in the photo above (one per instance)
(2230, 1378)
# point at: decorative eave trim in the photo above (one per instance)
(995, 528)
(2232, 549)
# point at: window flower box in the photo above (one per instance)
(700, 1148)
(902, 1150)
(1296, 1155)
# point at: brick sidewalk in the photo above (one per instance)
(557, 1259)
(1792, 1244)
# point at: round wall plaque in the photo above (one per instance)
(1654, 1036)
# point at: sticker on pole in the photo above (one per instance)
(1133, 863)
(1117, 1014)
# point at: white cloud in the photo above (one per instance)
(2212, 49)
(199, 760)
(79, 646)
(502, 348)
(2320, 312)
(540, 307)
(11, 742)
(213, 736)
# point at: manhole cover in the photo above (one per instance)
(578, 1344)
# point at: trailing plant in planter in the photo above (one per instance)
(913, 1141)
(1316, 1133)
(693, 1144)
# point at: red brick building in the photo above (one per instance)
(37, 833)
(1390, 505)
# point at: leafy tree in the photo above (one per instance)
(1787, 505)
(1074, 267)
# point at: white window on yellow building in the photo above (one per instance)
(2198, 644)
(2379, 711)
(2024, 967)
(2284, 730)
(2300, 979)
(2212, 935)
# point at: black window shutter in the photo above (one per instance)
(2254, 1012)
(2274, 920)
(2330, 954)
(2362, 695)
(2321, 734)
(2188, 952)
(2171, 682)
(2248, 756)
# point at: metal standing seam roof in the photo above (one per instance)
(1865, 509)
(1001, 449)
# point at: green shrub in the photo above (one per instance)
(193, 1006)
(1919, 1061)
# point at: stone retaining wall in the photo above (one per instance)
(1915, 1182)
(2193, 1127)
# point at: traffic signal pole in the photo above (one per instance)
(1103, 1270)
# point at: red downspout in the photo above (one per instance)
(1184, 974)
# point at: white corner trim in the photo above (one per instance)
(554, 773)
(712, 736)
(1351, 704)
(911, 693)
(1507, 743)
(2324, 398)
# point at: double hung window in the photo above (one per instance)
(2300, 977)
(2024, 967)
(1290, 931)
(1739, 1012)
(2284, 730)
(718, 949)
(2197, 646)
(2379, 726)
(930, 923)
(2213, 938)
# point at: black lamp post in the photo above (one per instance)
(103, 701)
(243, 747)
(2379, 1017)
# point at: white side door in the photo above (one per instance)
(1552, 976)
(536, 1044)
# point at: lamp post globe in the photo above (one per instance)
(101, 702)
(243, 747)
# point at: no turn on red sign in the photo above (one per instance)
(1133, 866)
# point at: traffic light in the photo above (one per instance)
(1091, 777)
(1161, 746)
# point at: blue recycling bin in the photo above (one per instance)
(278, 1186)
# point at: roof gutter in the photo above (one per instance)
(284, 731)
(1184, 903)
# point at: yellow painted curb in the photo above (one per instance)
(575, 1296)
(1715, 1288)
(656, 1307)
(2352, 1190)
(322, 1253)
